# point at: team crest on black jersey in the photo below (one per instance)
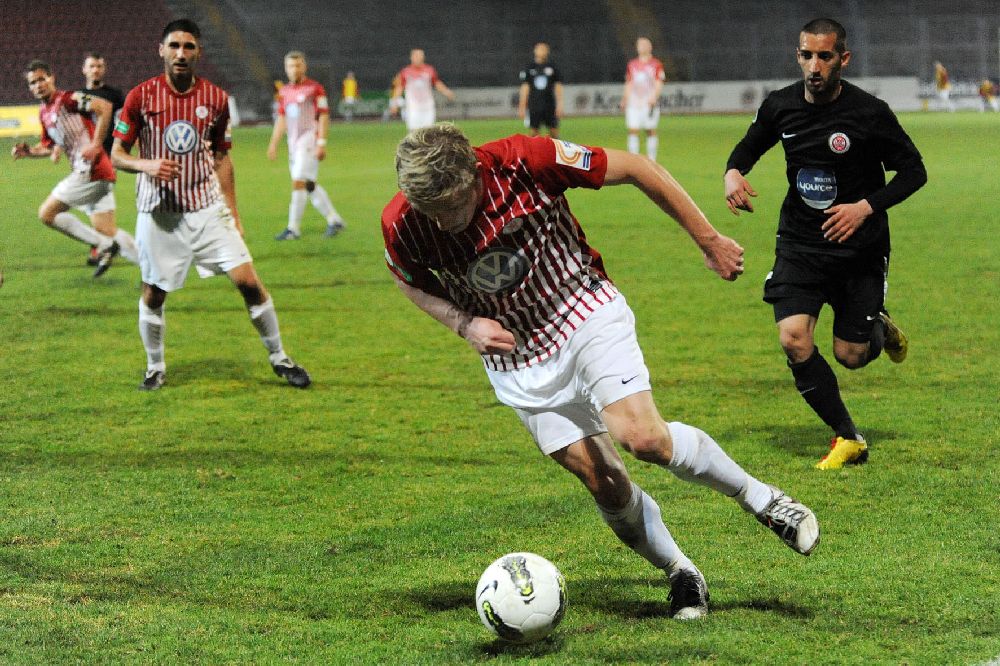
(839, 143)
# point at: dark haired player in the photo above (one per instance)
(833, 230)
(186, 198)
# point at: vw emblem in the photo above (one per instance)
(181, 137)
(497, 270)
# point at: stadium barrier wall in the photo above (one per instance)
(603, 99)
(19, 121)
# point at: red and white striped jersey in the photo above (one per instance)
(187, 128)
(66, 122)
(523, 260)
(418, 86)
(641, 77)
(301, 104)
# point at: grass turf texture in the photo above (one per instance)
(229, 517)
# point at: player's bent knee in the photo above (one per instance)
(852, 361)
(647, 446)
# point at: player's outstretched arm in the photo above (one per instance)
(279, 130)
(102, 109)
(722, 254)
(486, 336)
(738, 192)
(24, 150)
(444, 90)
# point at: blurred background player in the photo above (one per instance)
(349, 93)
(94, 70)
(187, 201)
(67, 123)
(644, 79)
(988, 91)
(415, 85)
(942, 82)
(304, 114)
(833, 230)
(540, 100)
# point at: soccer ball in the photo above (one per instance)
(521, 597)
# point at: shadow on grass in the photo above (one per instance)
(806, 441)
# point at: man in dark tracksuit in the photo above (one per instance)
(833, 231)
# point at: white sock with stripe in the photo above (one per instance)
(152, 327)
(633, 144)
(296, 209)
(640, 526)
(321, 201)
(71, 225)
(265, 320)
(652, 143)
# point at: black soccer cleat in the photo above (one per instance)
(104, 259)
(153, 380)
(294, 374)
(688, 594)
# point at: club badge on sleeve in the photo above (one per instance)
(572, 155)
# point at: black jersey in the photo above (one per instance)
(117, 99)
(541, 80)
(836, 153)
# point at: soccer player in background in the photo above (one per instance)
(349, 93)
(942, 82)
(186, 198)
(67, 124)
(94, 70)
(833, 230)
(540, 97)
(483, 240)
(415, 85)
(988, 96)
(304, 114)
(644, 79)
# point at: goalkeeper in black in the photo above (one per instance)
(833, 230)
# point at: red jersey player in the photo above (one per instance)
(644, 79)
(186, 198)
(67, 125)
(304, 113)
(483, 240)
(418, 81)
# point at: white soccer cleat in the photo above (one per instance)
(792, 521)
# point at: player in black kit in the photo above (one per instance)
(833, 230)
(541, 93)
(94, 69)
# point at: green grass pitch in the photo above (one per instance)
(230, 519)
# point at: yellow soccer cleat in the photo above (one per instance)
(844, 452)
(896, 343)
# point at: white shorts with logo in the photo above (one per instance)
(640, 118)
(419, 117)
(77, 190)
(560, 399)
(302, 162)
(170, 242)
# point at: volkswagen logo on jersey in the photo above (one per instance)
(498, 270)
(839, 143)
(817, 188)
(181, 137)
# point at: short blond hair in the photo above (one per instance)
(433, 164)
(295, 55)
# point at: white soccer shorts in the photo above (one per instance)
(639, 118)
(560, 399)
(417, 118)
(302, 162)
(170, 242)
(77, 190)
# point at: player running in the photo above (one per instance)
(833, 230)
(644, 79)
(304, 113)
(186, 198)
(483, 240)
(415, 85)
(67, 125)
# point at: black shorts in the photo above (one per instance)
(546, 116)
(855, 289)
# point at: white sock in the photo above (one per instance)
(265, 320)
(321, 200)
(652, 143)
(296, 209)
(640, 527)
(633, 144)
(152, 326)
(127, 245)
(699, 459)
(71, 225)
